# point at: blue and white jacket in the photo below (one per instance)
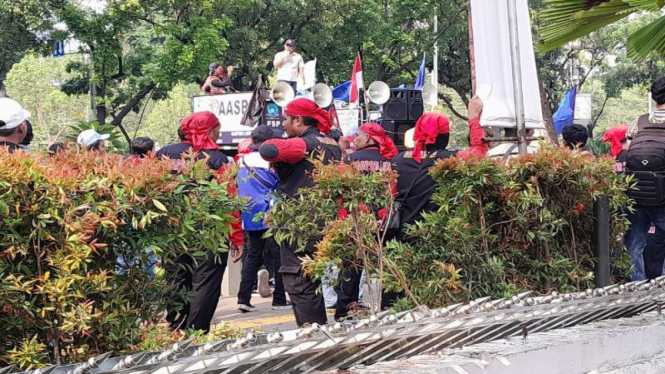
(257, 183)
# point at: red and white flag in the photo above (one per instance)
(356, 80)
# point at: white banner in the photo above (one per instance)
(494, 75)
(348, 121)
(229, 109)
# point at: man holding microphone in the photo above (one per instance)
(290, 65)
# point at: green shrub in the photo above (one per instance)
(65, 221)
(500, 229)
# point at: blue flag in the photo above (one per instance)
(566, 112)
(420, 79)
(341, 92)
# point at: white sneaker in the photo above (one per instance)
(246, 308)
(264, 283)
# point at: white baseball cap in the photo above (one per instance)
(12, 114)
(89, 137)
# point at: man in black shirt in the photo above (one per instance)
(13, 127)
(200, 130)
(307, 126)
(374, 152)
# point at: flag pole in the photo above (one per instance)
(364, 92)
(517, 76)
(435, 75)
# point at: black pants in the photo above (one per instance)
(654, 254)
(293, 85)
(260, 251)
(348, 291)
(308, 305)
(203, 276)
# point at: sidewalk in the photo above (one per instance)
(264, 318)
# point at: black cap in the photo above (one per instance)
(290, 42)
(213, 66)
(658, 90)
(262, 133)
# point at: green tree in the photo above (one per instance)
(141, 48)
(34, 82)
(22, 23)
(162, 122)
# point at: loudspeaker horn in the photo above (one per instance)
(430, 96)
(322, 95)
(282, 94)
(378, 92)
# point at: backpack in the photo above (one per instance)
(645, 160)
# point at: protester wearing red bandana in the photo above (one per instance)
(200, 132)
(374, 150)
(307, 127)
(432, 131)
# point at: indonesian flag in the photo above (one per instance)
(356, 80)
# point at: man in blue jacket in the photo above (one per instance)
(257, 184)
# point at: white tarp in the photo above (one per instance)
(310, 76)
(494, 78)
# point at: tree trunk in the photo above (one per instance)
(100, 106)
(547, 116)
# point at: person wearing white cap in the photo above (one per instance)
(12, 124)
(92, 140)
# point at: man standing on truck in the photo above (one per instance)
(290, 65)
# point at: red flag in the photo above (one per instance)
(356, 80)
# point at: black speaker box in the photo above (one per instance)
(396, 130)
(416, 107)
(403, 105)
(397, 107)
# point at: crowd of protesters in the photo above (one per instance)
(275, 164)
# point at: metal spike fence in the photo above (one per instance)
(385, 336)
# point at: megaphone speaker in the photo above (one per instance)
(282, 94)
(322, 95)
(378, 92)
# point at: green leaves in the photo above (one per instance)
(81, 235)
(566, 20)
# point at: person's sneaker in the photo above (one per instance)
(264, 287)
(246, 308)
(288, 305)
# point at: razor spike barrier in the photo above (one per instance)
(384, 336)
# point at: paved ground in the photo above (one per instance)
(264, 318)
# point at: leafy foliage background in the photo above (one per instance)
(80, 234)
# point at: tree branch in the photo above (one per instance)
(449, 104)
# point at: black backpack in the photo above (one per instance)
(646, 161)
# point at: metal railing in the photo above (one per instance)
(385, 336)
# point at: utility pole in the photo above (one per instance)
(517, 76)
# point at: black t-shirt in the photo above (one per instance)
(176, 151)
(294, 176)
(419, 198)
(11, 147)
(368, 160)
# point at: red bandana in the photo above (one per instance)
(307, 108)
(387, 147)
(196, 128)
(428, 127)
(614, 136)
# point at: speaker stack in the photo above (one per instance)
(401, 112)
